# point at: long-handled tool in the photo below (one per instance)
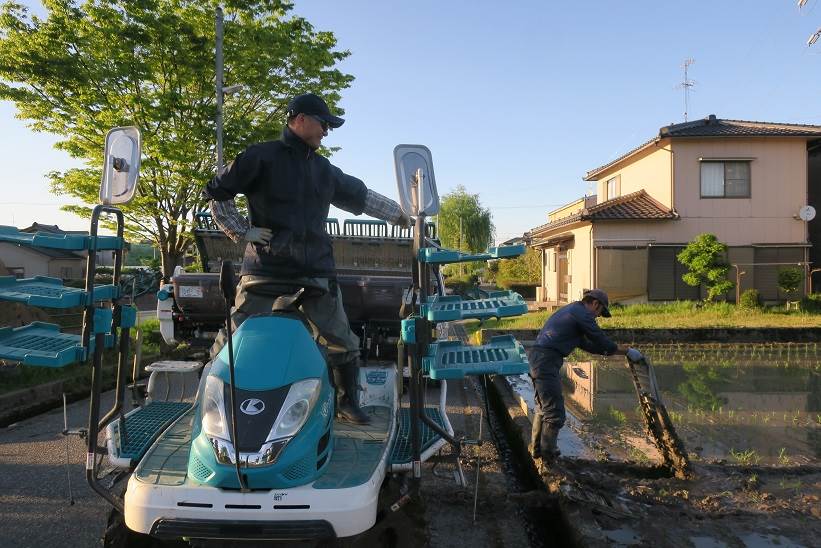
(658, 422)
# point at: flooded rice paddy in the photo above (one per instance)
(748, 404)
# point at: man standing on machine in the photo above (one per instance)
(572, 326)
(290, 188)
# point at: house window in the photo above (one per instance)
(17, 271)
(613, 187)
(66, 272)
(725, 179)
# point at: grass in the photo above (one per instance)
(680, 314)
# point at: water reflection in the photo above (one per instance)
(749, 404)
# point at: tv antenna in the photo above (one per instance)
(686, 85)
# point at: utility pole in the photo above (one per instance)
(220, 91)
(687, 84)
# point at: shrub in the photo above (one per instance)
(704, 258)
(789, 279)
(750, 299)
(811, 303)
(462, 285)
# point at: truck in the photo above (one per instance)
(374, 269)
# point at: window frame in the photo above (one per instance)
(724, 163)
(616, 180)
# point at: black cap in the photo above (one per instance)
(600, 296)
(308, 103)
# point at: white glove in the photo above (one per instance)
(404, 220)
(634, 355)
(258, 235)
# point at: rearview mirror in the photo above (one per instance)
(415, 180)
(121, 165)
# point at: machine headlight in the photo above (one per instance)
(297, 407)
(214, 422)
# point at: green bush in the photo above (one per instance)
(790, 278)
(750, 299)
(462, 285)
(811, 303)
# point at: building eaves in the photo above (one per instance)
(715, 127)
(638, 206)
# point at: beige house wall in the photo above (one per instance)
(649, 170)
(579, 265)
(15, 256)
(778, 188)
(37, 264)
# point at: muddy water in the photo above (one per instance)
(747, 404)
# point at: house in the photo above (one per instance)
(743, 181)
(25, 261)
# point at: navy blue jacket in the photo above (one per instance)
(574, 326)
(290, 189)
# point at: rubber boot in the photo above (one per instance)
(549, 444)
(535, 436)
(346, 380)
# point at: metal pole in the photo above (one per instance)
(219, 90)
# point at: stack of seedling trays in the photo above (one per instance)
(44, 344)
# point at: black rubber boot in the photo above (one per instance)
(346, 379)
(536, 436)
(549, 444)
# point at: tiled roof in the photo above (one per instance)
(635, 206)
(717, 127)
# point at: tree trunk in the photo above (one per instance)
(170, 260)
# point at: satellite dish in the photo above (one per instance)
(806, 213)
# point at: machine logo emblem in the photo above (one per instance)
(252, 406)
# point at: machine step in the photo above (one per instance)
(142, 426)
(71, 242)
(497, 304)
(503, 355)
(401, 450)
(434, 255)
(50, 292)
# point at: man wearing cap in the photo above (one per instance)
(290, 188)
(572, 326)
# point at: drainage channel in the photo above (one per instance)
(543, 519)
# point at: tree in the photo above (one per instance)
(463, 223)
(88, 67)
(523, 270)
(790, 278)
(704, 257)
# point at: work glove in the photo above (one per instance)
(634, 355)
(258, 235)
(405, 220)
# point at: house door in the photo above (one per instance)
(562, 278)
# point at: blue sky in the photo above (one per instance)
(517, 100)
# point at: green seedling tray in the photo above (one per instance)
(447, 256)
(497, 304)
(50, 292)
(503, 355)
(71, 242)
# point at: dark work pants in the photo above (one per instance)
(544, 371)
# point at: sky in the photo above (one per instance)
(517, 100)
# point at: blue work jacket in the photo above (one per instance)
(574, 326)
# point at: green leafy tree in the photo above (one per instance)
(523, 270)
(465, 225)
(704, 257)
(89, 66)
(790, 278)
